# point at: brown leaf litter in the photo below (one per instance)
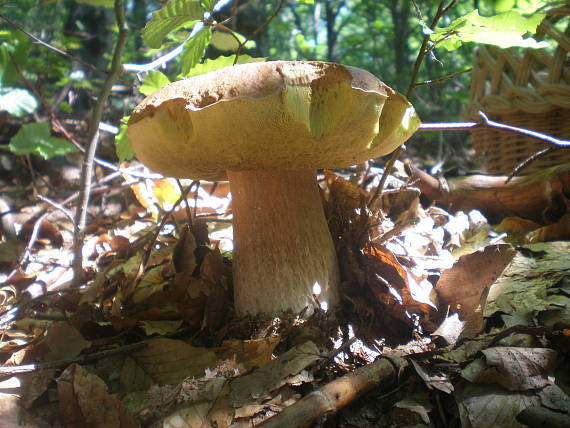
(442, 323)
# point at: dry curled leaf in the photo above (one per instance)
(85, 402)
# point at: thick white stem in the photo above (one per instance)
(283, 246)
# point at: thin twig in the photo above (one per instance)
(146, 256)
(258, 29)
(50, 47)
(528, 161)
(442, 79)
(57, 206)
(196, 198)
(26, 368)
(523, 131)
(159, 62)
(186, 204)
(441, 10)
(31, 242)
(486, 122)
(93, 138)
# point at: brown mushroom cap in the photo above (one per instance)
(269, 115)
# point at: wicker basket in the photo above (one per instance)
(530, 89)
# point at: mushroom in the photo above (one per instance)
(267, 127)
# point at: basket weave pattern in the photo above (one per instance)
(529, 90)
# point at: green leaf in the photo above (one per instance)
(176, 14)
(18, 102)
(522, 6)
(36, 138)
(218, 63)
(153, 81)
(306, 1)
(501, 5)
(208, 4)
(504, 30)
(123, 147)
(225, 42)
(14, 47)
(194, 49)
(98, 3)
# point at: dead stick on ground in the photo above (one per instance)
(336, 394)
(533, 197)
(93, 138)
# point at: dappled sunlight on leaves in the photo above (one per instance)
(153, 337)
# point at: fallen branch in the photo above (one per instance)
(534, 197)
(337, 394)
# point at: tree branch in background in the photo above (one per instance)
(258, 29)
(486, 122)
(442, 79)
(441, 10)
(52, 48)
(58, 126)
(93, 140)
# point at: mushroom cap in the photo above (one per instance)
(285, 115)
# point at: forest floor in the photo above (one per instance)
(444, 320)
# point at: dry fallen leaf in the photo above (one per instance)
(85, 402)
(166, 361)
(515, 369)
(251, 353)
(64, 341)
(464, 287)
(533, 285)
(259, 384)
(484, 406)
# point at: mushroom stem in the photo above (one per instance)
(283, 245)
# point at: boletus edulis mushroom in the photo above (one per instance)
(267, 127)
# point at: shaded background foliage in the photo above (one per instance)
(382, 37)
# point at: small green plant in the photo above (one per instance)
(31, 138)
(14, 47)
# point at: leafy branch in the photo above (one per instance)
(51, 47)
(442, 9)
(508, 29)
